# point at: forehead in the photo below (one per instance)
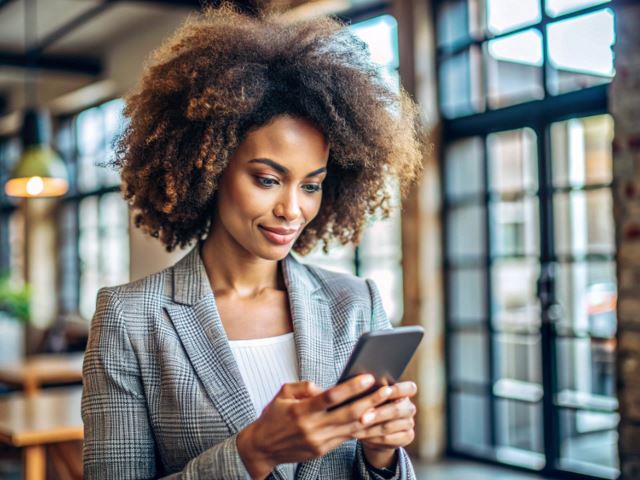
(286, 139)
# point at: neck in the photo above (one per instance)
(237, 272)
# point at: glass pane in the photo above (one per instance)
(381, 35)
(90, 131)
(466, 232)
(460, 86)
(17, 261)
(586, 373)
(587, 295)
(515, 227)
(584, 222)
(452, 22)
(519, 433)
(468, 357)
(502, 17)
(115, 212)
(515, 303)
(588, 442)
(382, 239)
(559, 7)
(388, 277)
(517, 357)
(513, 160)
(581, 151)
(88, 173)
(114, 251)
(464, 169)
(580, 52)
(470, 422)
(114, 257)
(467, 296)
(113, 119)
(514, 68)
(68, 257)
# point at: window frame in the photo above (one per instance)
(74, 197)
(538, 115)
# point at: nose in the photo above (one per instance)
(288, 206)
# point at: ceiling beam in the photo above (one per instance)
(4, 103)
(35, 59)
(4, 3)
(250, 6)
(173, 3)
(67, 28)
(59, 63)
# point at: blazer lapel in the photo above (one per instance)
(313, 334)
(197, 321)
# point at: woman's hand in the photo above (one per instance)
(296, 426)
(391, 426)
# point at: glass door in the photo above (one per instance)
(531, 292)
(583, 310)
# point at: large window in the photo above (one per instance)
(529, 242)
(93, 222)
(379, 255)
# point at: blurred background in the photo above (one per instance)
(519, 252)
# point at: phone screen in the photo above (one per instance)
(383, 353)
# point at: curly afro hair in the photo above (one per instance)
(224, 73)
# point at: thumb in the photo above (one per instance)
(302, 389)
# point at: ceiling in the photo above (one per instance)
(69, 41)
(69, 38)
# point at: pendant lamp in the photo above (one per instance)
(40, 172)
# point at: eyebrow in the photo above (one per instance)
(284, 170)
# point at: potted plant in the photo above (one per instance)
(14, 314)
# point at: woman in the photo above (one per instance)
(253, 137)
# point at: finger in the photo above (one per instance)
(403, 390)
(355, 411)
(342, 392)
(385, 428)
(393, 440)
(302, 389)
(397, 409)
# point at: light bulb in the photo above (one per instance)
(35, 186)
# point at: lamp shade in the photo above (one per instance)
(40, 172)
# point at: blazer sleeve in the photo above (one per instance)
(404, 468)
(118, 441)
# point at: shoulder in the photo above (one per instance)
(138, 296)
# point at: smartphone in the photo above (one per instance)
(382, 353)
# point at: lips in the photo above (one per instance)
(280, 231)
(279, 236)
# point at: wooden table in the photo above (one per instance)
(31, 422)
(37, 370)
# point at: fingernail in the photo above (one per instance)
(368, 417)
(366, 381)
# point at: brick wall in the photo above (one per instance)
(624, 104)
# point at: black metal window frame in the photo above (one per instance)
(538, 115)
(7, 208)
(73, 199)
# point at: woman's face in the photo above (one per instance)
(271, 188)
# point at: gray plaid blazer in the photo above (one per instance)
(163, 395)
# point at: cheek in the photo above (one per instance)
(312, 206)
(247, 200)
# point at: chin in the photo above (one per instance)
(275, 254)
(270, 252)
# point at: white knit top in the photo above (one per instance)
(265, 365)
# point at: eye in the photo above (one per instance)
(266, 182)
(312, 187)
